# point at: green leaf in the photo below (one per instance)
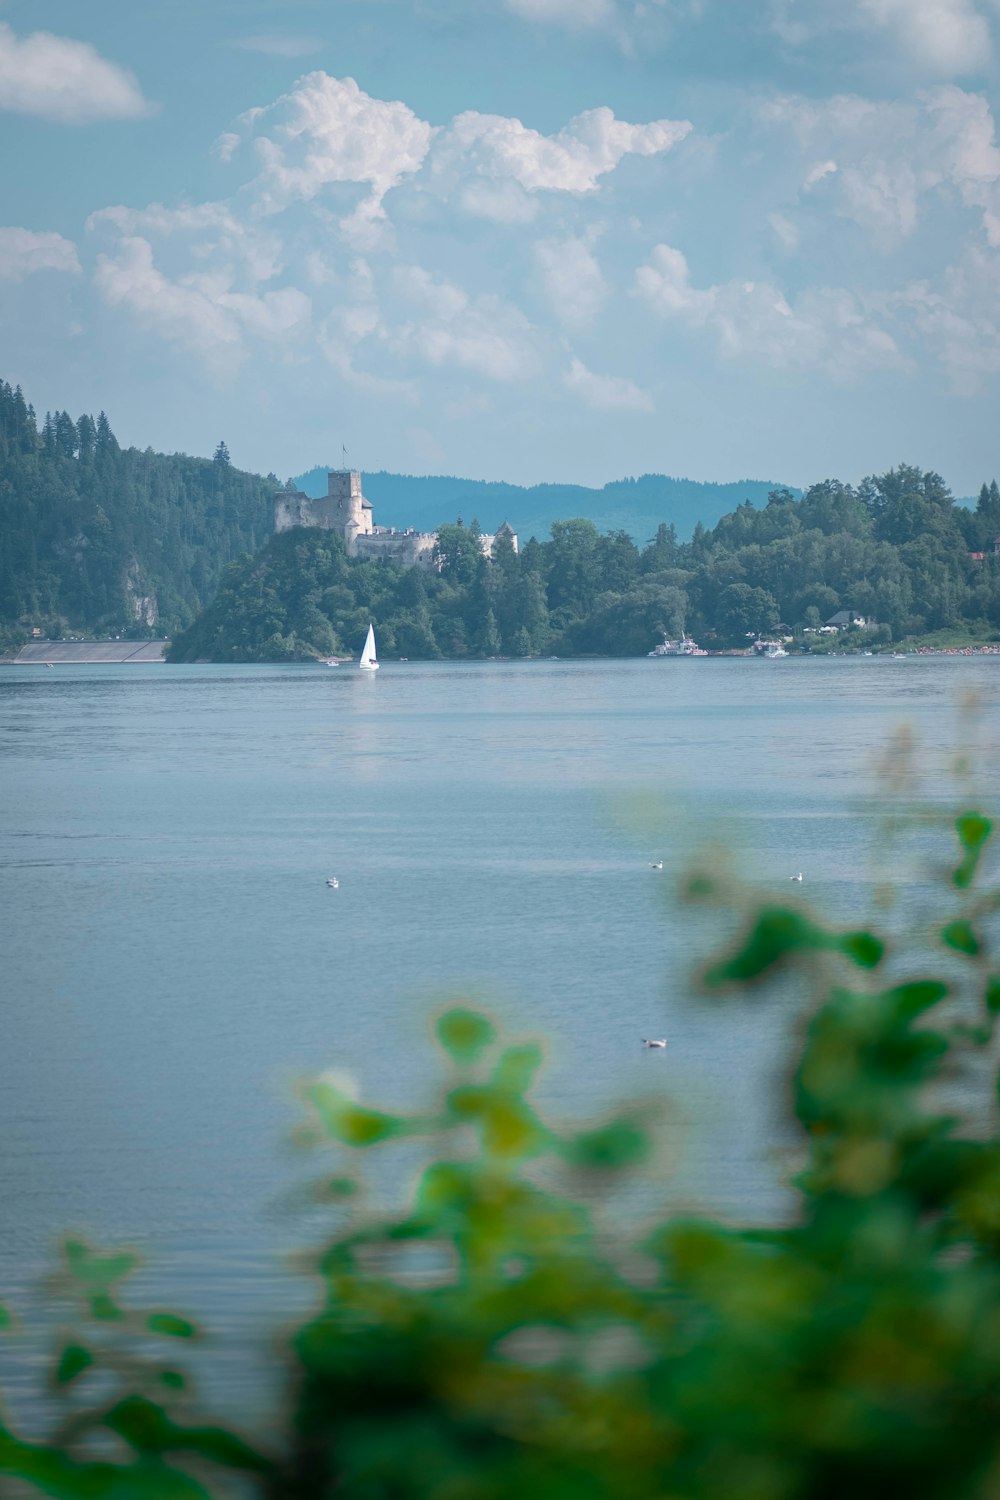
(72, 1362)
(148, 1429)
(618, 1144)
(913, 999)
(864, 948)
(993, 994)
(171, 1325)
(104, 1308)
(974, 830)
(464, 1033)
(6, 1318)
(349, 1122)
(961, 935)
(781, 933)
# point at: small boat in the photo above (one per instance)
(684, 647)
(333, 883)
(369, 661)
(662, 1042)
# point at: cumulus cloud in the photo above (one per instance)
(502, 149)
(941, 38)
(481, 334)
(888, 157)
(328, 131)
(201, 313)
(572, 278)
(825, 327)
(959, 320)
(948, 37)
(58, 78)
(605, 392)
(211, 228)
(24, 251)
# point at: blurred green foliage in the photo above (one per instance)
(495, 1337)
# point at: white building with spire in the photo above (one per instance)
(345, 510)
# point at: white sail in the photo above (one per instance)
(369, 661)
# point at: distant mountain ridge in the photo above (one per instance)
(636, 506)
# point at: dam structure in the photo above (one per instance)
(345, 510)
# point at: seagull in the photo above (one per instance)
(333, 883)
(657, 865)
(661, 1043)
(796, 877)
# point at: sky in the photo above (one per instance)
(530, 240)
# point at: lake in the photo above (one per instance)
(174, 960)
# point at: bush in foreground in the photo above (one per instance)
(490, 1339)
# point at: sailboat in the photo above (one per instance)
(369, 661)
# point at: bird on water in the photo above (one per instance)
(660, 1043)
(657, 864)
(333, 883)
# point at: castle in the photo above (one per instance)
(345, 510)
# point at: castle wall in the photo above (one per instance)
(345, 510)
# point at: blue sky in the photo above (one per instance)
(511, 239)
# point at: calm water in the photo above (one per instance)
(173, 959)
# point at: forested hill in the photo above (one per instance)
(896, 550)
(636, 506)
(95, 538)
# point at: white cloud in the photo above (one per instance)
(213, 229)
(825, 327)
(947, 36)
(817, 172)
(500, 148)
(888, 157)
(572, 279)
(58, 78)
(786, 232)
(941, 38)
(959, 323)
(227, 145)
(202, 312)
(573, 13)
(327, 131)
(481, 334)
(605, 392)
(24, 251)
(280, 46)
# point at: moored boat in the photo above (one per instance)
(684, 647)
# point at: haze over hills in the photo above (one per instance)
(636, 506)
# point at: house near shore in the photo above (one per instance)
(345, 510)
(844, 619)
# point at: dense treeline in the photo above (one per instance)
(895, 549)
(102, 539)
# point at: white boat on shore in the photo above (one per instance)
(771, 650)
(684, 647)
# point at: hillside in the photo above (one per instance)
(633, 505)
(105, 540)
(896, 550)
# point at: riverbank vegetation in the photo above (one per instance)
(102, 540)
(499, 1334)
(895, 550)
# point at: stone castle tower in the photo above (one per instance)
(345, 510)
